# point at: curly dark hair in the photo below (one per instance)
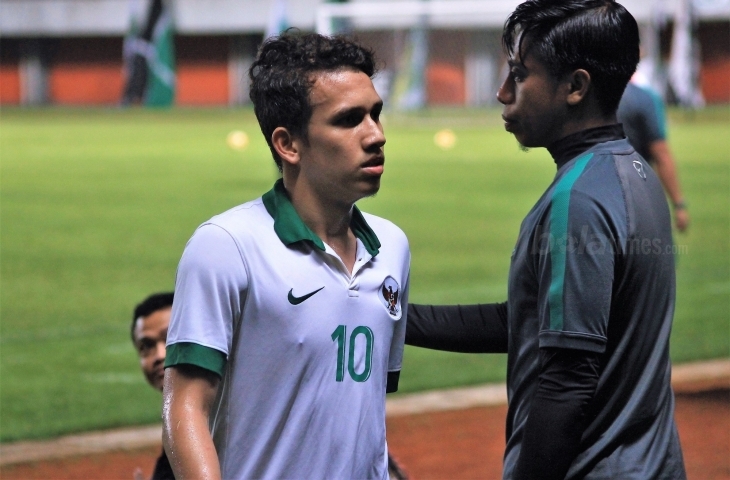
(599, 36)
(156, 301)
(282, 77)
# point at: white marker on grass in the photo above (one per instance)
(445, 139)
(237, 140)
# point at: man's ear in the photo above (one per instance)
(580, 82)
(285, 145)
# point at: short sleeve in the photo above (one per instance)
(654, 117)
(395, 358)
(210, 289)
(577, 275)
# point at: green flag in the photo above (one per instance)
(150, 55)
(161, 61)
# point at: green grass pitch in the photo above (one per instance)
(96, 207)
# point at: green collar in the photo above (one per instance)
(290, 228)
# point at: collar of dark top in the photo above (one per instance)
(290, 228)
(567, 148)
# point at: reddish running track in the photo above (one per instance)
(464, 444)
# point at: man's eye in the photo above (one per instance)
(375, 114)
(350, 120)
(145, 348)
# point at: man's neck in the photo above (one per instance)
(573, 145)
(587, 119)
(586, 116)
(328, 219)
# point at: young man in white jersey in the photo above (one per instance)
(289, 317)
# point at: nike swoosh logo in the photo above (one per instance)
(297, 300)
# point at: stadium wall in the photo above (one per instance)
(89, 70)
(211, 70)
(9, 73)
(202, 70)
(446, 73)
(714, 39)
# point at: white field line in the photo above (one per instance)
(82, 444)
(439, 400)
(701, 371)
(452, 399)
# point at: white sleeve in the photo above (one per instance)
(395, 358)
(210, 290)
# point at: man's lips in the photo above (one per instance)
(508, 123)
(374, 166)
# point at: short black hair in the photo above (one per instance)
(599, 36)
(282, 77)
(156, 301)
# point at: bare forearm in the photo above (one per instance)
(666, 170)
(186, 436)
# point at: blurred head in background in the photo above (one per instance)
(150, 321)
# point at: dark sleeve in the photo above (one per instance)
(163, 470)
(557, 417)
(478, 328)
(391, 385)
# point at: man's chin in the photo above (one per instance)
(370, 187)
(156, 381)
(519, 139)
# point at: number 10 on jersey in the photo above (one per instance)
(339, 336)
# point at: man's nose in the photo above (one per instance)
(505, 94)
(160, 351)
(376, 136)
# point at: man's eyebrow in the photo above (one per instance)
(352, 110)
(514, 63)
(348, 110)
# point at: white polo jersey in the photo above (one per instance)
(304, 349)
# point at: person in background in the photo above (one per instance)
(150, 321)
(641, 112)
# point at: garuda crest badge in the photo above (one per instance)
(390, 296)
